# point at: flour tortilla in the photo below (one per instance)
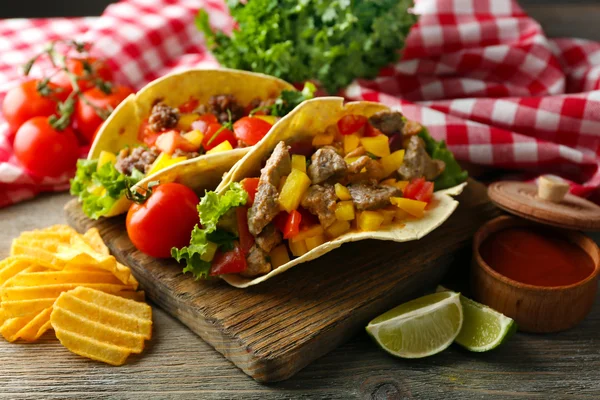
(307, 120)
(200, 173)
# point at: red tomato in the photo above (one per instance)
(349, 124)
(419, 189)
(164, 221)
(308, 218)
(85, 116)
(280, 221)
(188, 106)
(203, 121)
(246, 238)
(170, 141)
(250, 185)
(24, 102)
(224, 134)
(231, 262)
(43, 150)
(146, 134)
(371, 131)
(292, 224)
(251, 130)
(100, 70)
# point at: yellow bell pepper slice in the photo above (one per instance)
(344, 211)
(185, 121)
(279, 256)
(314, 230)
(392, 162)
(106, 157)
(342, 192)
(314, 241)
(195, 137)
(298, 248)
(293, 190)
(388, 215)
(338, 228)
(163, 161)
(413, 207)
(267, 118)
(323, 139)
(221, 147)
(377, 145)
(351, 142)
(369, 220)
(299, 162)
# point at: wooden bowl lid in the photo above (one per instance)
(521, 199)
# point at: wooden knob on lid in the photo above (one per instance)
(549, 203)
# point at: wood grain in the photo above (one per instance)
(273, 330)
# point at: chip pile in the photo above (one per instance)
(57, 278)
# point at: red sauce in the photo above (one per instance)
(534, 257)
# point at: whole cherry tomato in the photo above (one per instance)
(220, 135)
(43, 150)
(24, 102)
(99, 70)
(86, 118)
(165, 220)
(251, 130)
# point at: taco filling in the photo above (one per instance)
(360, 174)
(170, 135)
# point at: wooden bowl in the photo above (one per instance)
(534, 308)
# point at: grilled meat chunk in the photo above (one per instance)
(417, 162)
(388, 122)
(326, 163)
(163, 117)
(257, 263)
(269, 238)
(223, 104)
(186, 154)
(139, 158)
(320, 201)
(263, 105)
(412, 128)
(373, 170)
(266, 202)
(371, 196)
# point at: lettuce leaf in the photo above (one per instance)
(453, 173)
(211, 208)
(99, 189)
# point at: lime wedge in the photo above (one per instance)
(483, 328)
(419, 328)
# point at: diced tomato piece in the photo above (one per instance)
(292, 224)
(371, 131)
(203, 121)
(251, 130)
(230, 262)
(146, 134)
(419, 189)
(308, 218)
(303, 148)
(280, 221)
(208, 142)
(188, 106)
(246, 238)
(170, 141)
(350, 124)
(250, 185)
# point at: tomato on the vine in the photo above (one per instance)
(98, 69)
(251, 130)
(165, 220)
(24, 102)
(43, 150)
(86, 118)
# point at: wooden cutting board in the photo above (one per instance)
(272, 330)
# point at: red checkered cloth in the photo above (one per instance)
(478, 73)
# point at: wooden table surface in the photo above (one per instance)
(179, 365)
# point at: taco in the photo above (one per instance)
(327, 174)
(190, 127)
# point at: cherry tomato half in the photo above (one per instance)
(43, 150)
(99, 70)
(24, 102)
(251, 130)
(208, 142)
(231, 262)
(86, 118)
(164, 221)
(349, 124)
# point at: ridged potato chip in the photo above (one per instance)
(101, 326)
